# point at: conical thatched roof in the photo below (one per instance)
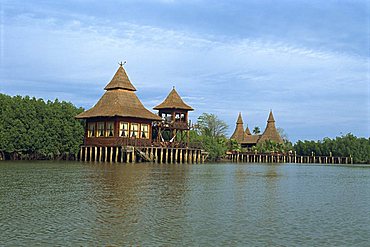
(247, 131)
(173, 101)
(239, 134)
(120, 81)
(271, 132)
(119, 100)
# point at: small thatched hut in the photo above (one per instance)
(118, 118)
(246, 139)
(174, 113)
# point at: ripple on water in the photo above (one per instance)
(66, 203)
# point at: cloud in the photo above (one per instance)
(74, 58)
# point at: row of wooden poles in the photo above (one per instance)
(132, 154)
(281, 158)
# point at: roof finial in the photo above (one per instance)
(121, 64)
(173, 87)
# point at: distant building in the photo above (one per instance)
(245, 137)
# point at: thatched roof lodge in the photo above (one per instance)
(118, 118)
(174, 113)
(246, 139)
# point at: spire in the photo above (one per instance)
(271, 132)
(173, 101)
(239, 134)
(271, 117)
(120, 80)
(240, 119)
(247, 131)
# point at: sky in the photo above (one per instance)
(308, 61)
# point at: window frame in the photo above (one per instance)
(122, 127)
(91, 132)
(132, 131)
(107, 129)
(142, 131)
(99, 130)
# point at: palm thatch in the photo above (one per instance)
(239, 134)
(119, 100)
(120, 80)
(271, 132)
(173, 101)
(247, 131)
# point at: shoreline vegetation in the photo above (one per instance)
(34, 129)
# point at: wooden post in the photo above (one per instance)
(90, 153)
(161, 158)
(176, 152)
(199, 156)
(121, 154)
(127, 156)
(133, 155)
(186, 156)
(81, 153)
(85, 156)
(116, 160)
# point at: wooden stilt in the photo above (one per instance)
(81, 154)
(85, 154)
(186, 156)
(133, 155)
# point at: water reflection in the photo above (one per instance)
(213, 204)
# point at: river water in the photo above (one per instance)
(84, 204)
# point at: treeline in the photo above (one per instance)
(343, 146)
(31, 128)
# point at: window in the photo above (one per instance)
(100, 129)
(91, 130)
(110, 129)
(134, 130)
(182, 117)
(123, 129)
(144, 133)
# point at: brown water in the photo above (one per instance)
(74, 204)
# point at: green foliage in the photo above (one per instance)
(33, 128)
(210, 132)
(343, 146)
(269, 146)
(233, 145)
(210, 125)
(256, 130)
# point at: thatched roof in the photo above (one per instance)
(271, 132)
(251, 139)
(239, 134)
(119, 100)
(247, 131)
(173, 101)
(120, 81)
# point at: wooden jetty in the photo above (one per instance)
(134, 154)
(250, 157)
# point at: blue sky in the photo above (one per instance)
(306, 60)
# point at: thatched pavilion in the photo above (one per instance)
(174, 112)
(246, 139)
(118, 118)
